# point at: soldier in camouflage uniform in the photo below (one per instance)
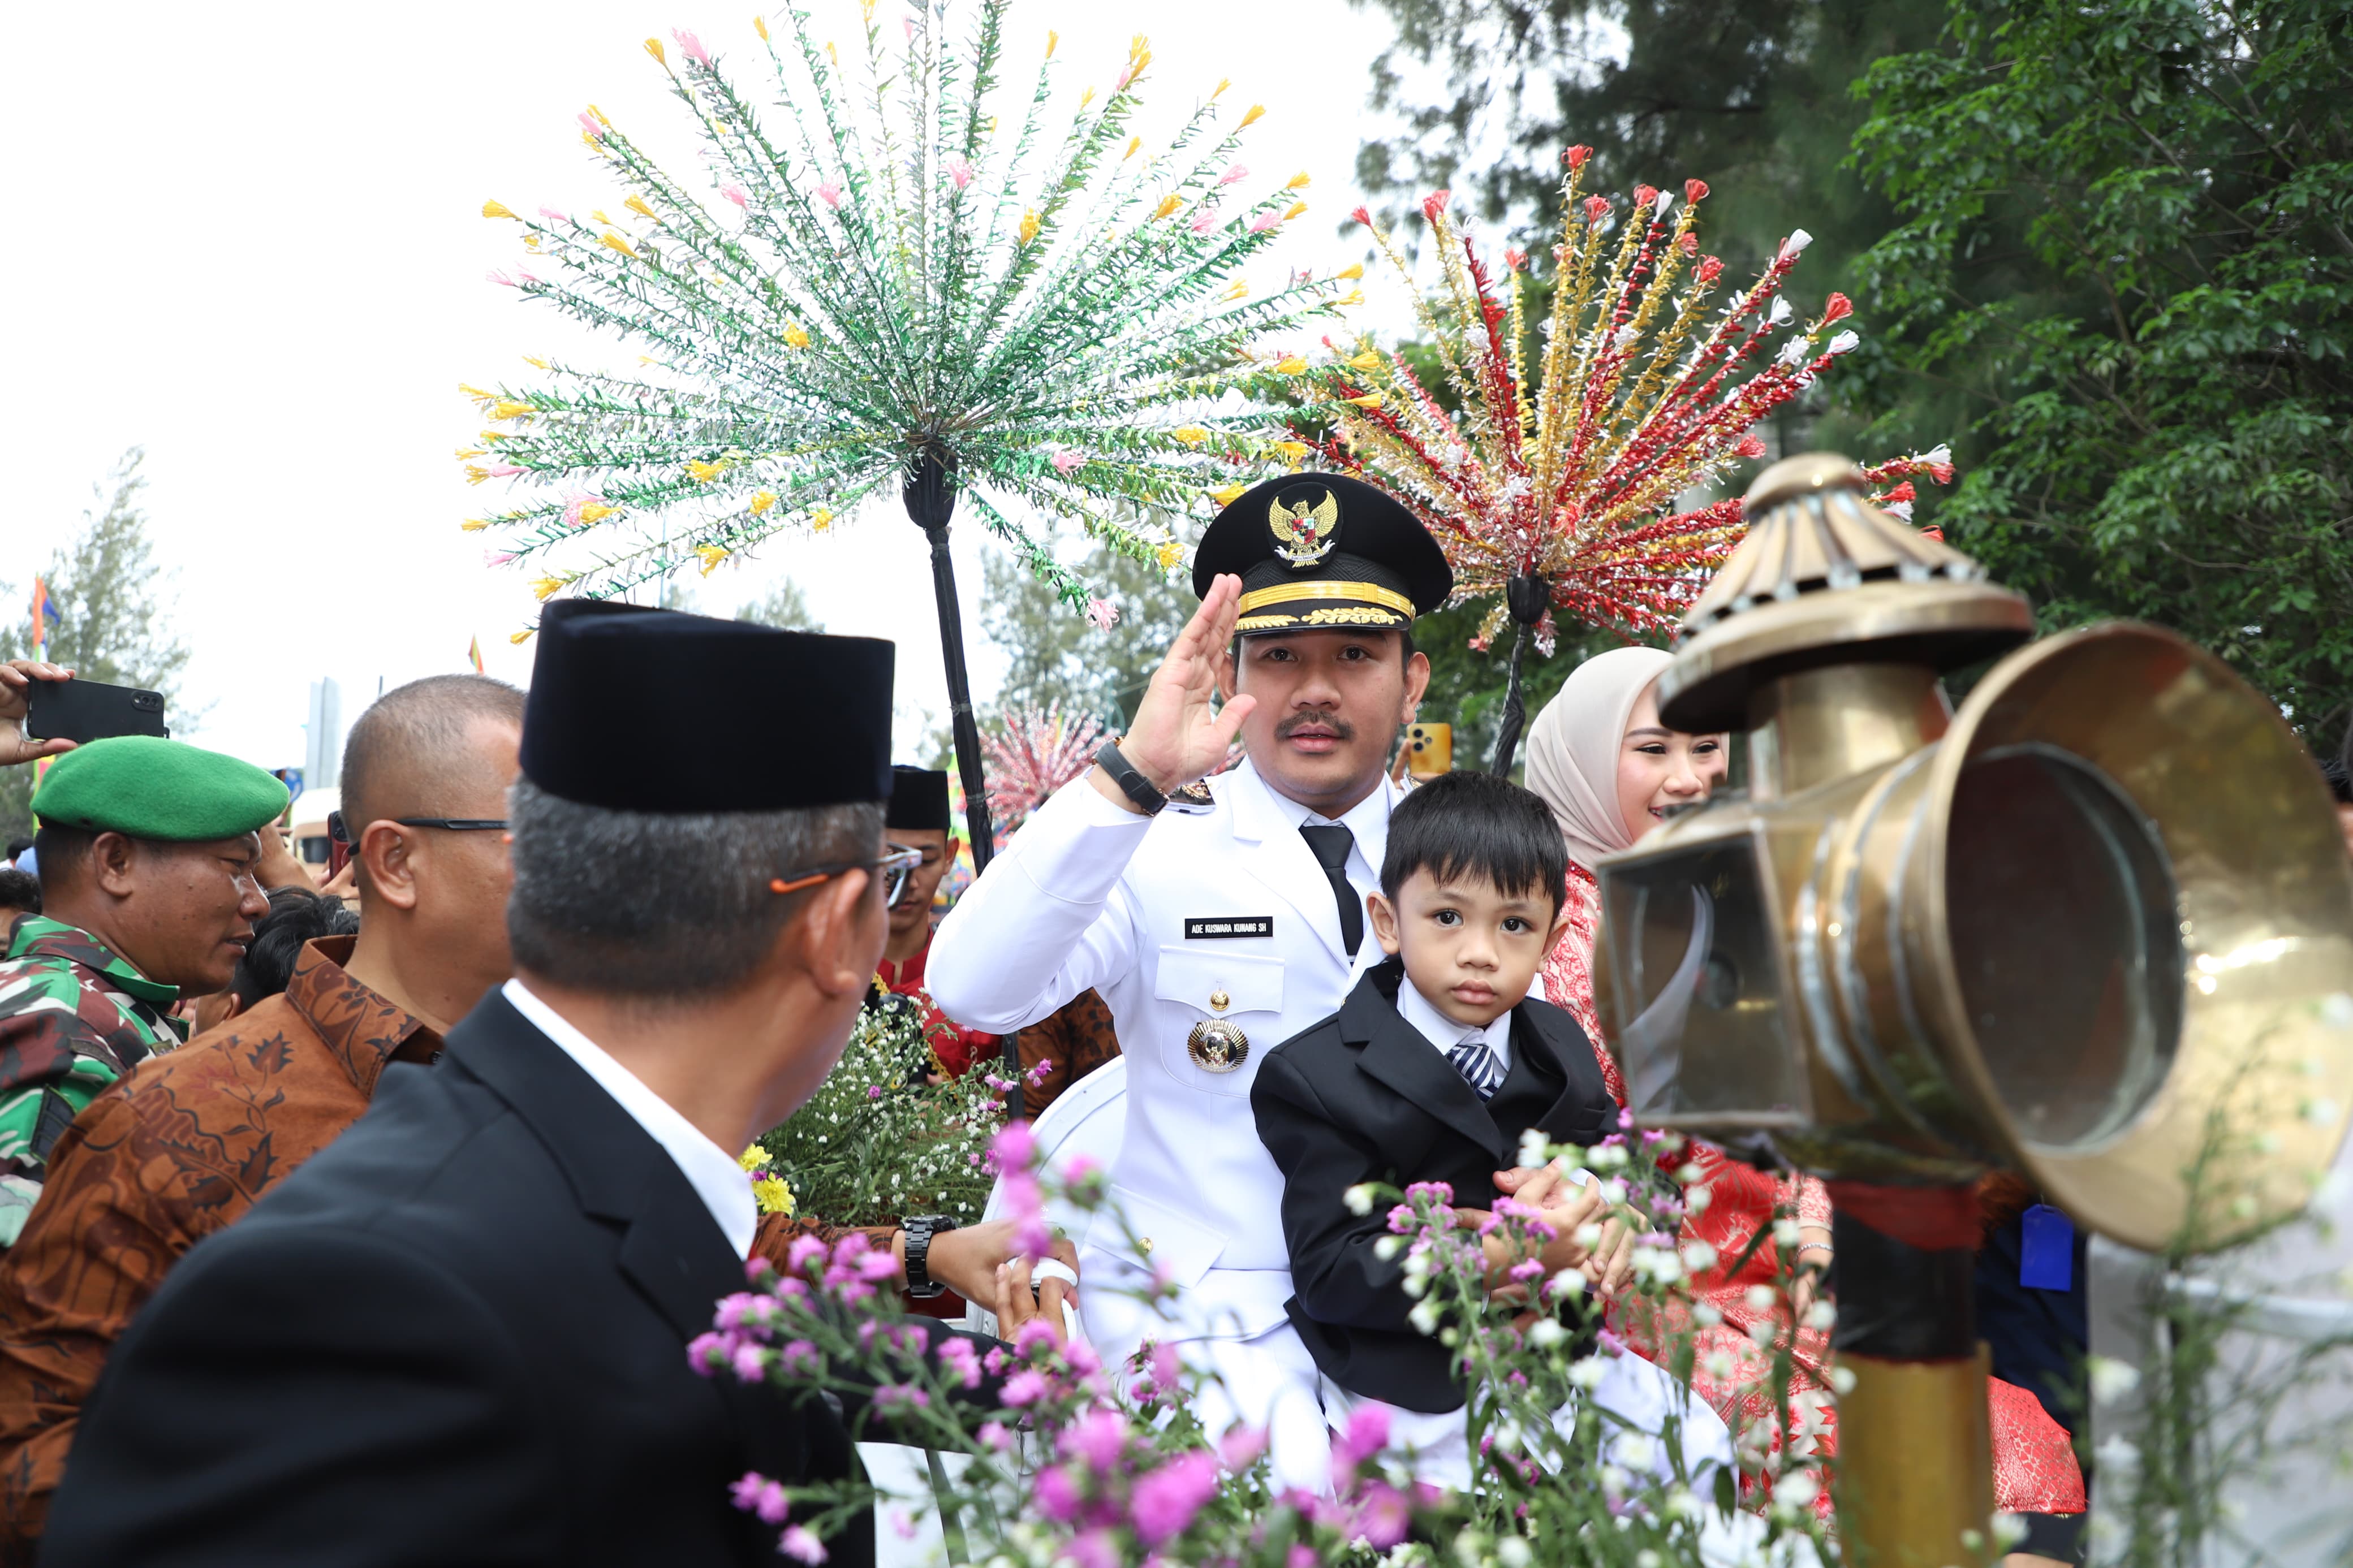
(147, 853)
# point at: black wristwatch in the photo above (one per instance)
(1146, 796)
(920, 1229)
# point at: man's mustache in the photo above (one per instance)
(1340, 728)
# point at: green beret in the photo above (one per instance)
(150, 787)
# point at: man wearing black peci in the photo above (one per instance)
(459, 1334)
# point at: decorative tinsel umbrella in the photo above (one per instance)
(1571, 497)
(868, 288)
(1033, 754)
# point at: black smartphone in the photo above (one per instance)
(91, 710)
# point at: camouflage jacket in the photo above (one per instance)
(74, 1017)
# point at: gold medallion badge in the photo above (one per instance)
(1304, 535)
(1216, 1046)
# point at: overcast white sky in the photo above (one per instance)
(249, 237)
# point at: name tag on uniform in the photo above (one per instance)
(1202, 928)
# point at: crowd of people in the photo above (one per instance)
(378, 1238)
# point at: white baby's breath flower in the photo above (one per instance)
(1636, 1450)
(1698, 1257)
(2111, 1379)
(1720, 1365)
(1646, 1558)
(1614, 1478)
(1547, 1332)
(1534, 1149)
(2008, 1530)
(1689, 1172)
(1359, 1198)
(1589, 1372)
(1588, 1235)
(1568, 1282)
(1514, 1552)
(1607, 1157)
(1762, 1331)
(1697, 1198)
(1821, 1315)
(1389, 1247)
(1705, 1315)
(1759, 1298)
(1787, 1233)
(1842, 1379)
(1798, 1491)
(1424, 1317)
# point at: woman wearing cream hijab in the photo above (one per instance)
(1598, 756)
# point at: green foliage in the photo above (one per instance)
(784, 607)
(872, 277)
(2125, 251)
(1060, 656)
(110, 619)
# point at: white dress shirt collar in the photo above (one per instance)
(1367, 822)
(711, 1171)
(1446, 1034)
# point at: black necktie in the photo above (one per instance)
(1330, 845)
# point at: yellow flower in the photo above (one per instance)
(476, 392)
(495, 209)
(1294, 366)
(760, 25)
(496, 435)
(1228, 494)
(1028, 229)
(637, 204)
(530, 242)
(511, 410)
(1369, 360)
(1169, 555)
(600, 215)
(591, 512)
(763, 501)
(1086, 97)
(820, 519)
(475, 474)
(773, 1195)
(1133, 143)
(1353, 297)
(1223, 82)
(599, 147)
(600, 117)
(522, 637)
(1257, 112)
(475, 524)
(615, 242)
(653, 48)
(706, 472)
(534, 361)
(1370, 400)
(466, 452)
(1289, 452)
(1238, 290)
(544, 587)
(1296, 209)
(1052, 37)
(1351, 272)
(713, 555)
(751, 1159)
(1191, 435)
(795, 336)
(1297, 182)
(1168, 204)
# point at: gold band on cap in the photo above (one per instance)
(1292, 592)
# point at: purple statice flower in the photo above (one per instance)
(1165, 1501)
(1382, 1515)
(1300, 1556)
(754, 1493)
(1528, 1269)
(1401, 1220)
(1014, 1147)
(1025, 1387)
(805, 1251)
(706, 1352)
(797, 1356)
(1095, 1549)
(1040, 1073)
(893, 1397)
(997, 1436)
(960, 1361)
(1031, 1337)
(1367, 1433)
(995, 1361)
(750, 1362)
(1057, 1494)
(1239, 1448)
(873, 1091)
(1099, 1438)
(800, 1544)
(1437, 1192)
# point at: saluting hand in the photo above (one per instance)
(1179, 733)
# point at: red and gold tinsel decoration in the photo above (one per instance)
(1643, 394)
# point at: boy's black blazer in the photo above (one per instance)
(457, 1335)
(1364, 1097)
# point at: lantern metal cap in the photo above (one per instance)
(1825, 577)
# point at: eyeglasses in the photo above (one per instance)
(895, 867)
(341, 835)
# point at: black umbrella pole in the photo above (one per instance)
(960, 717)
(1507, 738)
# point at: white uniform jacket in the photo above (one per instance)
(1174, 919)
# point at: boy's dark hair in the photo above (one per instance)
(20, 890)
(1476, 824)
(296, 915)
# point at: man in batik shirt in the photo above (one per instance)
(148, 852)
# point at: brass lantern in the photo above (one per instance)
(2096, 925)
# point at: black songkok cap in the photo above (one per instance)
(634, 709)
(1321, 550)
(919, 798)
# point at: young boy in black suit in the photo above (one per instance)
(1433, 1070)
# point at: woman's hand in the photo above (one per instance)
(1016, 1304)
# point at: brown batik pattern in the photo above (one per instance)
(180, 1149)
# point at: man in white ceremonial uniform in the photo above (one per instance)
(1220, 919)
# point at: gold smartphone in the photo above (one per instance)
(1429, 748)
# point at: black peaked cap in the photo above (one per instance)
(634, 709)
(919, 798)
(1321, 550)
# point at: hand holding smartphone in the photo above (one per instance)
(46, 712)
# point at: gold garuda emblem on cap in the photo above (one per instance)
(1304, 534)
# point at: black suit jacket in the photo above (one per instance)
(457, 1336)
(1364, 1097)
